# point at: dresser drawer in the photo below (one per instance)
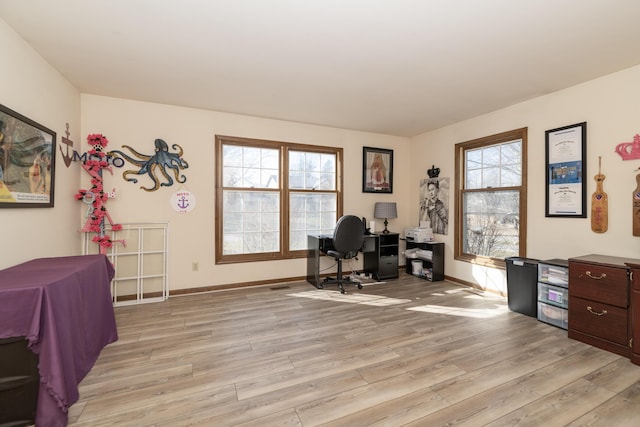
(599, 320)
(608, 285)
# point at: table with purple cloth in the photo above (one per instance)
(63, 307)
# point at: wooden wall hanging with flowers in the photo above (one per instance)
(96, 198)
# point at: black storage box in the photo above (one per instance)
(522, 285)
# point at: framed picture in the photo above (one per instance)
(27, 162)
(377, 170)
(566, 150)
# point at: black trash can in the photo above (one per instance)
(522, 285)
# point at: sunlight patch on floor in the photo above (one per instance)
(359, 298)
(478, 313)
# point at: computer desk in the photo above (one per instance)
(319, 244)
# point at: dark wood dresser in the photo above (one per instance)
(600, 304)
(635, 311)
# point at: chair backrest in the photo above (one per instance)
(348, 235)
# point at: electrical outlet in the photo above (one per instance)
(195, 266)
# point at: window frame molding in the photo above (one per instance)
(460, 149)
(283, 189)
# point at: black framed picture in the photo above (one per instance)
(377, 170)
(565, 153)
(27, 162)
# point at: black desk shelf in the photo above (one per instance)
(19, 382)
(382, 261)
(435, 264)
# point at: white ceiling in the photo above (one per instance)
(399, 67)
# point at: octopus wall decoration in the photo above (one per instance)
(155, 165)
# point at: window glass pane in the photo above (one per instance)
(250, 177)
(473, 159)
(312, 180)
(491, 156)
(327, 181)
(298, 239)
(296, 180)
(250, 167)
(328, 162)
(269, 178)
(473, 179)
(247, 216)
(511, 153)
(490, 177)
(511, 176)
(232, 176)
(232, 155)
(312, 171)
(328, 177)
(270, 159)
(491, 223)
(312, 162)
(251, 157)
(311, 213)
(495, 166)
(512, 164)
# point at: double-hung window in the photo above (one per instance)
(491, 185)
(270, 195)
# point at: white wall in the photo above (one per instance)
(609, 105)
(29, 86)
(191, 235)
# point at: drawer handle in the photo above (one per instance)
(602, 313)
(602, 276)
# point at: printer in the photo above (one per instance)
(419, 234)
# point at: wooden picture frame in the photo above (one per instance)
(27, 162)
(566, 171)
(377, 170)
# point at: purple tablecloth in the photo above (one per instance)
(63, 306)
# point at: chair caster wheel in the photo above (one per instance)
(359, 286)
(342, 291)
(320, 286)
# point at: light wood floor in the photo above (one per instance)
(404, 353)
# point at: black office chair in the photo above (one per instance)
(348, 238)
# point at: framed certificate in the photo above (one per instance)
(565, 155)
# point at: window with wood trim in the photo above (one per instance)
(491, 198)
(270, 195)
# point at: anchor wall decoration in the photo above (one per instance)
(68, 156)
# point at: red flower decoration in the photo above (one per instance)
(97, 139)
(93, 164)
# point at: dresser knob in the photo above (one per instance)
(602, 276)
(602, 313)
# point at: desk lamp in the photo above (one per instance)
(385, 210)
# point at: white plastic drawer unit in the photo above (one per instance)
(553, 315)
(554, 295)
(554, 275)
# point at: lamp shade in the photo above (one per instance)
(385, 210)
